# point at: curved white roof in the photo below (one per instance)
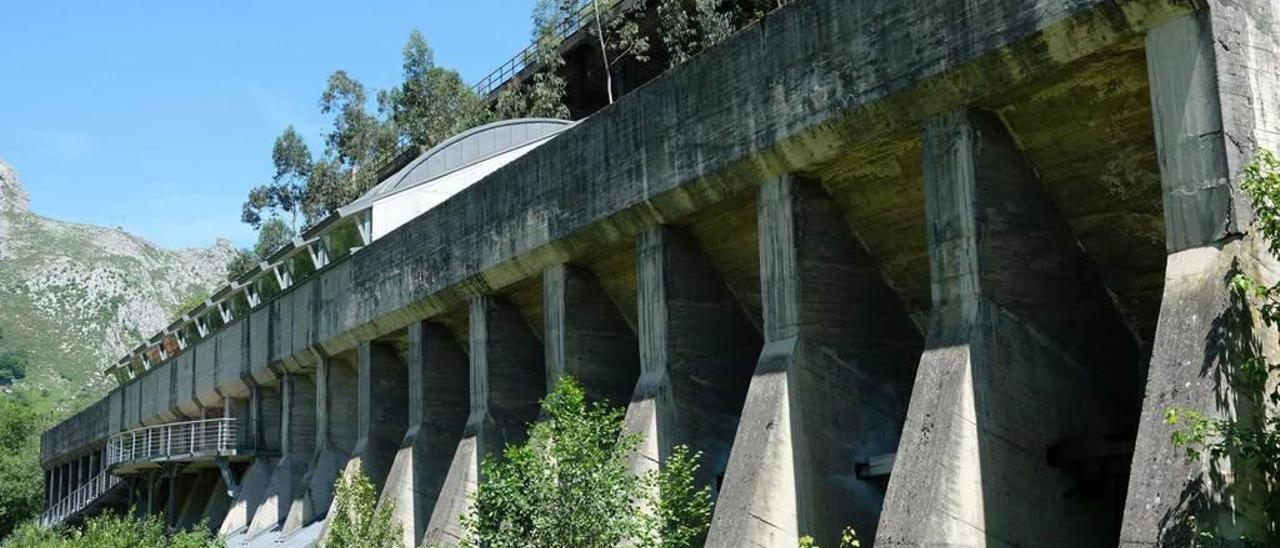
(465, 149)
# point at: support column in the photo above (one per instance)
(48, 489)
(697, 351)
(1214, 86)
(587, 337)
(1025, 350)
(438, 409)
(336, 422)
(382, 417)
(255, 484)
(297, 442)
(507, 380)
(830, 388)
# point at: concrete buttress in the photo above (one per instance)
(438, 409)
(586, 336)
(697, 348)
(507, 380)
(1214, 81)
(830, 388)
(1025, 349)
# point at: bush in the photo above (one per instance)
(570, 485)
(357, 519)
(111, 530)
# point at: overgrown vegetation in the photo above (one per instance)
(1251, 439)
(110, 530)
(570, 485)
(357, 519)
(21, 488)
(848, 539)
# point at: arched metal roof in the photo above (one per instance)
(464, 149)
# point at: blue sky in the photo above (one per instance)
(159, 116)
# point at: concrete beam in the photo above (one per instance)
(1213, 83)
(1024, 349)
(831, 386)
(697, 349)
(586, 336)
(507, 380)
(438, 407)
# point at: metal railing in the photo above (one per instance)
(564, 29)
(175, 441)
(82, 497)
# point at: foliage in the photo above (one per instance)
(1252, 440)
(686, 30)
(578, 458)
(273, 235)
(288, 188)
(618, 34)
(13, 365)
(433, 103)
(848, 539)
(110, 530)
(358, 520)
(21, 490)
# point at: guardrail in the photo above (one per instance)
(78, 499)
(564, 29)
(175, 441)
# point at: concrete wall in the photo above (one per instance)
(889, 190)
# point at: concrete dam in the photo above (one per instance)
(934, 269)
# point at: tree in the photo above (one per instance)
(273, 235)
(1251, 439)
(686, 30)
(619, 36)
(21, 489)
(433, 103)
(288, 188)
(578, 459)
(357, 519)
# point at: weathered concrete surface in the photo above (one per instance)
(586, 336)
(697, 349)
(764, 103)
(383, 390)
(1213, 90)
(830, 388)
(336, 416)
(507, 380)
(254, 485)
(298, 443)
(1025, 349)
(438, 407)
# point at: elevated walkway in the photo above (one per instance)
(176, 442)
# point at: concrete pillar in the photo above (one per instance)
(697, 350)
(830, 388)
(297, 442)
(1213, 86)
(507, 380)
(586, 336)
(384, 400)
(48, 489)
(438, 409)
(1025, 350)
(336, 422)
(264, 422)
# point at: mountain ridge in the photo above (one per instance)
(77, 297)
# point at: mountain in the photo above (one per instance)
(76, 297)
